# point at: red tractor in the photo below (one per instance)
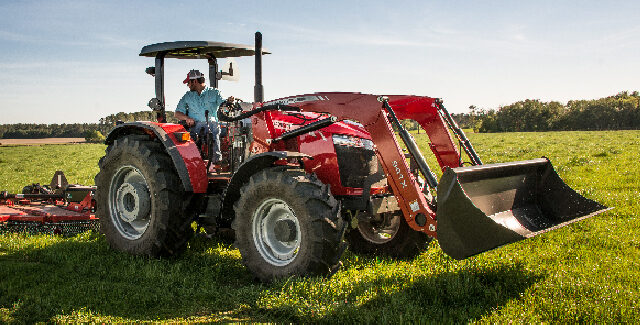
(304, 176)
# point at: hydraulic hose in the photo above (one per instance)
(319, 124)
(466, 144)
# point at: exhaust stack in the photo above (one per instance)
(258, 90)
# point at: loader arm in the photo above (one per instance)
(367, 110)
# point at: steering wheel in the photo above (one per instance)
(233, 105)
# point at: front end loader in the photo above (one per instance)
(478, 207)
(303, 176)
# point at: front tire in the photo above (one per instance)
(288, 223)
(141, 203)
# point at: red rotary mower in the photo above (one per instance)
(59, 208)
(303, 176)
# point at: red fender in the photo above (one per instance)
(185, 155)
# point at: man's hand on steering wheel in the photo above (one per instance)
(229, 103)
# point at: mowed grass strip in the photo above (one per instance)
(585, 272)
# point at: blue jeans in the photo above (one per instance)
(211, 127)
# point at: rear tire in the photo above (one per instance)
(288, 223)
(401, 241)
(142, 206)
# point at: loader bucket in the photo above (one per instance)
(487, 206)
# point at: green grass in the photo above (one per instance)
(586, 272)
(23, 165)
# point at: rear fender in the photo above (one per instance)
(185, 155)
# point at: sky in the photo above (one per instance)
(77, 61)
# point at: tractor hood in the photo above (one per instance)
(346, 127)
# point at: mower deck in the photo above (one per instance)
(45, 217)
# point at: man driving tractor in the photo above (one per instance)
(199, 108)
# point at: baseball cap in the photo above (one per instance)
(193, 74)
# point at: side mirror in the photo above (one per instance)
(229, 71)
(155, 104)
(151, 71)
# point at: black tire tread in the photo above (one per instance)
(325, 243)
(172, 212)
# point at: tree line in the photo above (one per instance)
(106, 123)
(74, 130)
(38, 131)
(618, 112)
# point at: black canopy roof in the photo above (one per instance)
(198, 49)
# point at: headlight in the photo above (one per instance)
(347, 140)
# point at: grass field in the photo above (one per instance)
(587, 272)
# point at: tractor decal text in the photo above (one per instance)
(401, 179)
(281, 125)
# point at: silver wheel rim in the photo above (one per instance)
(129, 202)
(276, 232)
(379, 234)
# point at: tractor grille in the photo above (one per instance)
(355, 164)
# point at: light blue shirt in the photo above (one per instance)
(208, 100)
